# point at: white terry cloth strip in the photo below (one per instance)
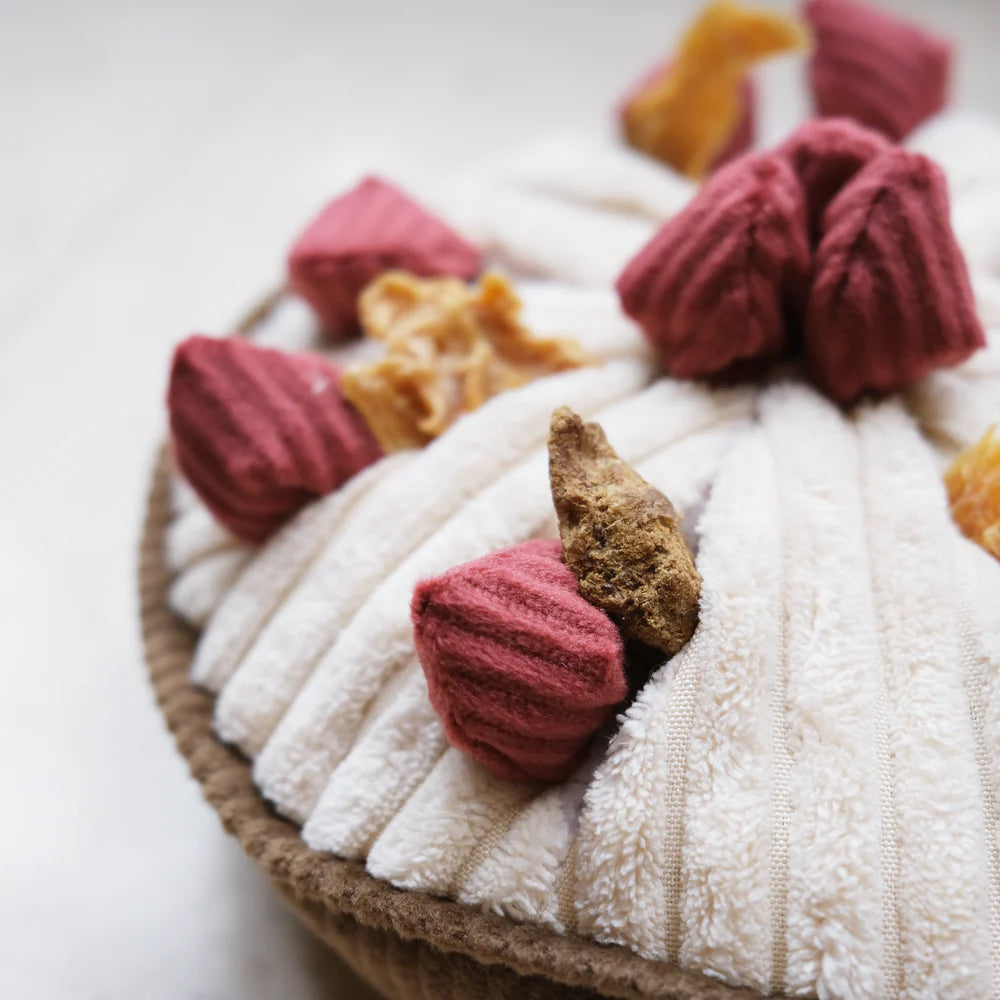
(387, 763)
(598, 171)
(591, 316)
(194, 533)
(954, 409)
(449, 814)
(942, 896)
(966, 145)
(199, 588)
(546, 237)
(204, 558)
(516, 868)
(275, 572)
(826, 866)
(632, 827)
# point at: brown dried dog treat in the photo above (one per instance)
(449, 348)
(621, 537)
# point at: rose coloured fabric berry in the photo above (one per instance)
(891, 299)
(825, 154)
(715, 286)
(868, 65)
(370, 229)
(259, 433)
(520, 668)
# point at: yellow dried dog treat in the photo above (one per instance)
(688, 114)
(449, 348)
(973, 482)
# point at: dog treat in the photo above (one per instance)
(891, 299)
(717, 284)
(973, 482)
(370, 229)
(259, 433)
(874, 67)
(621, 537)
(741, 135)
(449, 348)
(689, 113)
(520, 668)
(825, 154)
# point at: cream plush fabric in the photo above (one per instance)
(805, 799)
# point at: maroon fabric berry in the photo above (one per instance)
(825, 154)
(724, 281)
(520, 668)
(874, 67)
(891, 298)
(259, 433)
(372, 228)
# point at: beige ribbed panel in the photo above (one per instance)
(778, 877)
(974, 674)
(680, 719)
(487, 844)
(566, 889)
(892, 965)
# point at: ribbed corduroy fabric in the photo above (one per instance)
(825, 154)
(258, 433)
(521, 670)
(374, 227)
(891, 299)
(716, 284)
(869, 65)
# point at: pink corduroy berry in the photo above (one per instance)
(520, 668)
(259, 433)
(372, 228)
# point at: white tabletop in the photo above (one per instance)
(156, 160)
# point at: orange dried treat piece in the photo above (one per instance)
(449, 348)
(973, 482)
(687, 117)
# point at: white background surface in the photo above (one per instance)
(155, 161)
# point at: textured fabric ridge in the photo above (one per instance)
(259, 433)
(825, 154)
(942, 896)
(833, 901)
(521, 669)
(372, 228)
(891, 299)
(781, 798)
(978, 664)
(869, 65)
(715, 286)
(889, 838)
